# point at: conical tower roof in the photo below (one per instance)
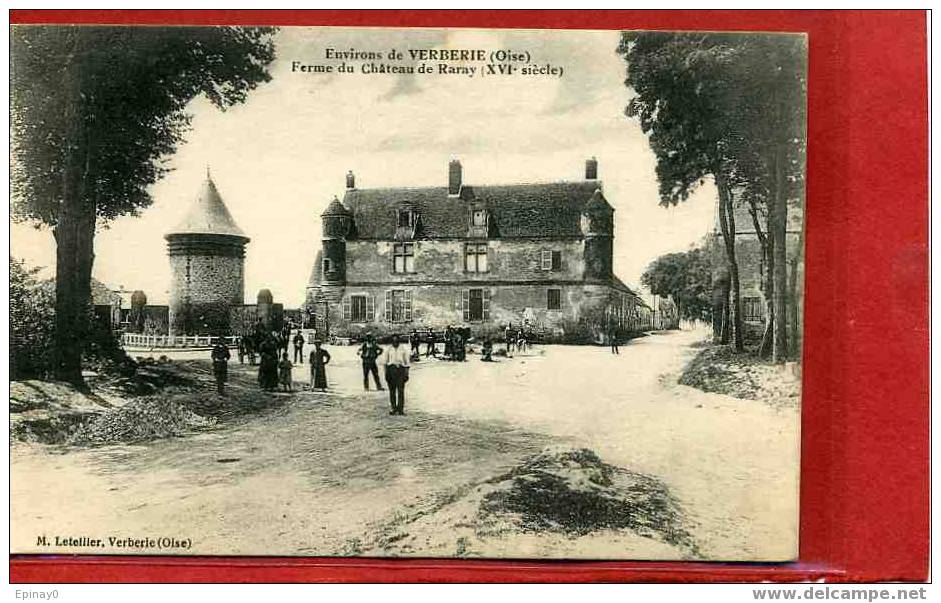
(597, 202)
(208, 215)
(336, 208)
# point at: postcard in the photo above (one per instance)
(387, 292)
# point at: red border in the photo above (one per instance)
(865, 465)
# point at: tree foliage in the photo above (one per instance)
(96, 113)
(686, 277)
(116, 96)
(729, 106)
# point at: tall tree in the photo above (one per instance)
(766, 110)
(96, 112)
(680, 85)
(730, 106)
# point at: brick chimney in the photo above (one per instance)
(350, 180)
(591, 169)
(454, 178)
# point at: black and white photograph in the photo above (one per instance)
(436, 293)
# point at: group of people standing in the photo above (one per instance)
(455, 343)
(518, 338)
(270, 350)
(275, 367)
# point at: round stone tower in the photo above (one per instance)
(598, 228)
(336, 221)
(207, 255)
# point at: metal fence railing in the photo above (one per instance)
(137, 340)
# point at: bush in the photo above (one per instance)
(32, 330)
(32, 323)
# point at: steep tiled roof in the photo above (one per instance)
(208, 215)
(517, 210)
(619, 284)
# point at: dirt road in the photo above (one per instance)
(333, 473)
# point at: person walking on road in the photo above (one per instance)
(613, 338)
(369, 352)
(220, 365)
(395, 359)
(319, 359)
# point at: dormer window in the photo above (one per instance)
(407, 218)
(327, 265)
(479, 217)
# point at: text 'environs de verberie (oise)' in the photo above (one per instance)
(467, 62)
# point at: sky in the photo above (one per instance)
(281, 157)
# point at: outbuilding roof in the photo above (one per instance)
(515, 210)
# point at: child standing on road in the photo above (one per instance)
(284, 373)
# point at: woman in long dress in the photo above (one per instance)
(268, 366)
(319, 359)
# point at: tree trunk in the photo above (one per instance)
(725, 328)
(727, 225)
(767, 286)
(794, 296)
(777, 213)
(74, 234)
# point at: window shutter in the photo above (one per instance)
(388, 309)
(370, 308)
(557, 260)
(486, 304)
(465, 304)
(408, 306)
(347, 309)
(547, 259)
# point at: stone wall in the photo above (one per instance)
(202, 289)
(581, 318)
(242, 319)
(437, 261)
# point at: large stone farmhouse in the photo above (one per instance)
(483, 256)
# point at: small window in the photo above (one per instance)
(554, 299)
(398, 305)
(475, 304)
(476, 257)
(403, 257)
(358, 308)
(327, 265)
(551, 260)
(479, 217)
(752, 309)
